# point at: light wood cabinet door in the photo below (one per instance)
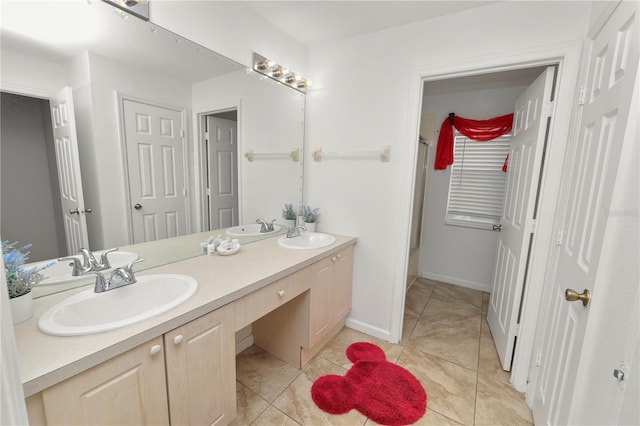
(330, 293)
(319, 314)
(129, 389)
(340, 290)
(200, 358)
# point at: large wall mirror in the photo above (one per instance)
(163, 126)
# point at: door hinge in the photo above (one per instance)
(184, 192)
(515, 329)
(559, 237)
(530, 226)
(538, 362)
(182, 133)
(547, 109)
(582, 95)
(208, 192)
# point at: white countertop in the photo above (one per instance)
(46, 360)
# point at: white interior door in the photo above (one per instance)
(155, 160)
(589, 176)
(68, 162)
(531, 115)
(222, 166)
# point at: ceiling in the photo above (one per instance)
(314, 22)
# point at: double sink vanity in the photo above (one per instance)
(178, 366)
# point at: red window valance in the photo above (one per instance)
(478, 130)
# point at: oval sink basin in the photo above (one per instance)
(88, 312)
(251, 230)
(61, 271)
(307, 240)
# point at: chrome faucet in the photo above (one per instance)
(76, 265)
(120, 277)
(89, 262)
(264, 225)
(295, 231)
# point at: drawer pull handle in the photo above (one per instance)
(281, 293)
(155, 349)
(178, 339)
(334, 258)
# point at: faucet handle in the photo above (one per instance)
(77, 266)
(104, 259)
(129, 269)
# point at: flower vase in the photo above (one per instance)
(311, 226)
(289, 223)
(21, 307)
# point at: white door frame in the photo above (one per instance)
(200, 159)
(120, 98)
(567, 57)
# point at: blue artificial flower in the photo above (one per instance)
(19, 280)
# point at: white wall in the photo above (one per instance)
(27, 72)
(454, 254)
(362, 101)
(231, 29)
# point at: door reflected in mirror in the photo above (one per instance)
(110, 61)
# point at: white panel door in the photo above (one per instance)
(531, 115)
(155, 160)
(223, 172)
(68, 162)
(589, 175)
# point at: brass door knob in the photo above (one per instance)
(497, 228)
(572, 296)
(88, 210)
(138, 206)
(74, 211)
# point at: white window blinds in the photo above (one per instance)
(476, 189)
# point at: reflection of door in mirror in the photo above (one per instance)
(32, 170)
(155, 149)
(68, 161)
(221, 141)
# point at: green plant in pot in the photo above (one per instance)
(310, 217)
(289, 214)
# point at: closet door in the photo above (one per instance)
(531, 115)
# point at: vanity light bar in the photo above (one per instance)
(270, 69)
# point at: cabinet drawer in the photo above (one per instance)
(259, 303)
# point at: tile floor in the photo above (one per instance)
(446, 344)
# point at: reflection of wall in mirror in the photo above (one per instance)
(271, 114)
(271, 120)
(101, 151)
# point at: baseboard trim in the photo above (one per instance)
(368, 329)
(457, 281)
(244, 344)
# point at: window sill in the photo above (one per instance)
(485, 225)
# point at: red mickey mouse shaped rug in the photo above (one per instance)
(381, 390)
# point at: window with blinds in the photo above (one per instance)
(476, 189)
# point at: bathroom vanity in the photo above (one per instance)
(179, 367)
